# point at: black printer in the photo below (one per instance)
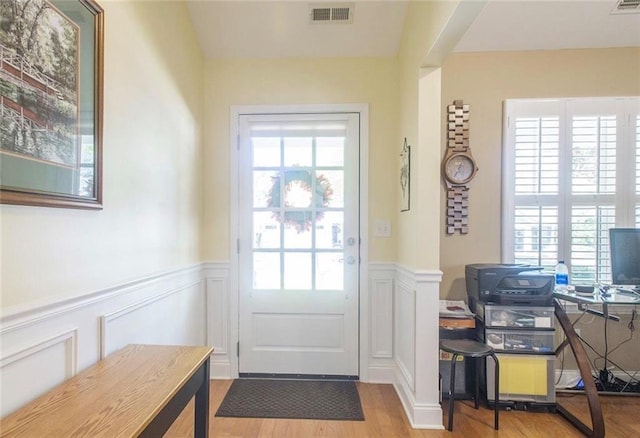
(508, 284)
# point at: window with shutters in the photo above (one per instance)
(571, 171)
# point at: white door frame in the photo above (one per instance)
(363, 304)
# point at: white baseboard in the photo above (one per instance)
(221, 369)
(420, 416)
(381, 373)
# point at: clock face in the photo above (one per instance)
(459, 169)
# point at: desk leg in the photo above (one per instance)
(201, 426)
(590, 389)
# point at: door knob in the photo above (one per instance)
(350, 260)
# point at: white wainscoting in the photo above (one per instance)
(222, 301)
(58, 354)
(381, 364)
(416, 317)
(197, 306)
(221, 319)
(42, 345)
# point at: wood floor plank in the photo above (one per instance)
(385, 418)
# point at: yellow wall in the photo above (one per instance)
(417, 229)
(484, 81)
(152, 151)
(299, 81)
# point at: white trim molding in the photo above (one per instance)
(363, 110)
(165, 308)
(416, 318)
(52, 359)
(18, 317)
(68, 338)
(221, 317)
(381, 364)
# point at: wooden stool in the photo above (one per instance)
(476, 350)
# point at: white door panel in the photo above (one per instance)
(299, 244)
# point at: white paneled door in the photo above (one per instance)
(299, 244)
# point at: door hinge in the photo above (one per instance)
(238, 349)
(237, 246)
(238, 142)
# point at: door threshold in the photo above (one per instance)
(296, 376)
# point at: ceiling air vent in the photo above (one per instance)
(331, 13)
(627, 7)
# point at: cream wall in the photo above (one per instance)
(484, 81)
(152, 173)
(299, 81)
(418, 246)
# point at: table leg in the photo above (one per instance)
(590, 389)
(201, 418)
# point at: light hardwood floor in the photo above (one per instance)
(384, 417)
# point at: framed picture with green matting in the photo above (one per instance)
(51, 69)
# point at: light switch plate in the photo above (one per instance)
(382, 228)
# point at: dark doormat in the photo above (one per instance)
(305, 399)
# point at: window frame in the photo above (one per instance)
(625, 199)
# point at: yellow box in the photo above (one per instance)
(523, 377)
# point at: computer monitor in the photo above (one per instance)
(624, 244)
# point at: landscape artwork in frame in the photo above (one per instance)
(51, 102)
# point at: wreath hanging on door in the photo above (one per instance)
(299, 180)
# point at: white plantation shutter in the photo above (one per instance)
(637, 167)
(566, 181)
(590, 243)
(536, 235)
(536, 155)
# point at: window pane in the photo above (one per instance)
(331, 188)
(297, 235)
(297, 270)
(590, 243)
(330, 151)
(536, 155)
(266, 230)
(266, 270)
(637, 131)
(329, 230)
(298, 188)
(266, 151)
(593, 154)
(266, 189)
(329, 271)
(536, 236)
(297, 151)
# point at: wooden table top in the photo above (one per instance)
(117, 397)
